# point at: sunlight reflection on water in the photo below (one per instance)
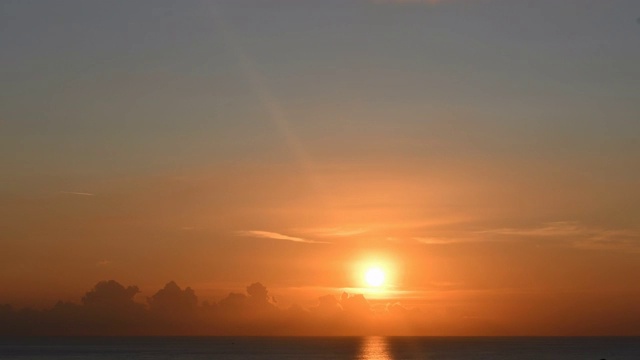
(375, 348)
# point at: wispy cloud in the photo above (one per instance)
(557, 228)
(446, 284)
(103, 263)
(76, 193)
(400, 2)
(276, 236)
(335, 232)
(430, 240)
(567, 233)
(575, 234)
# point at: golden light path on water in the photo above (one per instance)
(375, 348)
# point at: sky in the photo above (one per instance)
(484, 153)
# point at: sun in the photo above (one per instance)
(374, 277)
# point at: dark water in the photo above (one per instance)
(378, 348)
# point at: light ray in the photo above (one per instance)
(266, 98)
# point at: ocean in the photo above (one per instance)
(309, 348)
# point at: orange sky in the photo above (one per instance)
(221, 145)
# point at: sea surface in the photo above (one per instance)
(285, 348)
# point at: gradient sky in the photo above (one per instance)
(486, 153)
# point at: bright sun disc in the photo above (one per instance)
(374, 277)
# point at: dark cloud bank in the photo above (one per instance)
(109, 309)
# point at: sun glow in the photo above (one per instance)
(374, 277)
(375, 274)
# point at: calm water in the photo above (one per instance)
(379, 348)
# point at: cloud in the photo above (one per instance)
(575, 234)
(76, 193)
(446, 284)
(110, 294)
(558, 228)
(276, 236)
(404, 2)
(610, 240)
(335, 232)
(444, 240)
(173, 303)
(110, 308)
(568, 233)
(103, 263)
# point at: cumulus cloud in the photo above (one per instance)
(110, 292)
(276, 236)
(113, 309)
(174, 301)
(110, 308)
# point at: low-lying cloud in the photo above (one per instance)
(109, 308)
